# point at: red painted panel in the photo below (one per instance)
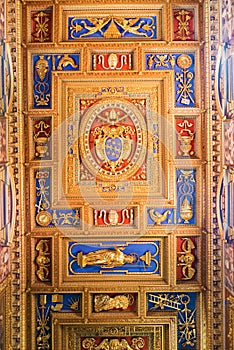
(112, 61)
(185, 137)
(41, 26)
(183, 24)
(186, 258)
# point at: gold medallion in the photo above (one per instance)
(184, 61)
(43, 218)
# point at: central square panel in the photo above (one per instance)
(114, 141)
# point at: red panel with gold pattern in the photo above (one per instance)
(113, 61)
(113, 217)
(41, 26)
(185, 137)
(186, 258)
(41, 137)
(183, 24)
(43, 260)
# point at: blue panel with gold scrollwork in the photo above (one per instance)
(160, 61)
(47, 215)
(186, 196)
(160, 216)
(47, 303)
(185, 305)
(65, 217)
(43, 65)
(42, 178)
(114, 258)
(112, 27)
(183, 66)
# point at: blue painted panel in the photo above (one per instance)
(184, 74)
(112, 27)
(42, 190)
(186, 196)
(66, 217)
(42, 66)
(160, 216)
(70, 302)
(99, 258)
(66, 62)
(160, 61)
(184, 81)
(185, 305)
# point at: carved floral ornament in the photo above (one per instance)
(3, 141)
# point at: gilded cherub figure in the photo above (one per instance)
(103, 302)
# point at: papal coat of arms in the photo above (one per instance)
(113, 141)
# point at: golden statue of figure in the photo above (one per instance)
(106, 258)
(104, 302)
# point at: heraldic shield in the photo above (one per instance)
(113, 144)
(113, 148)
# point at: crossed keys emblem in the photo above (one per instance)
(113, 143)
